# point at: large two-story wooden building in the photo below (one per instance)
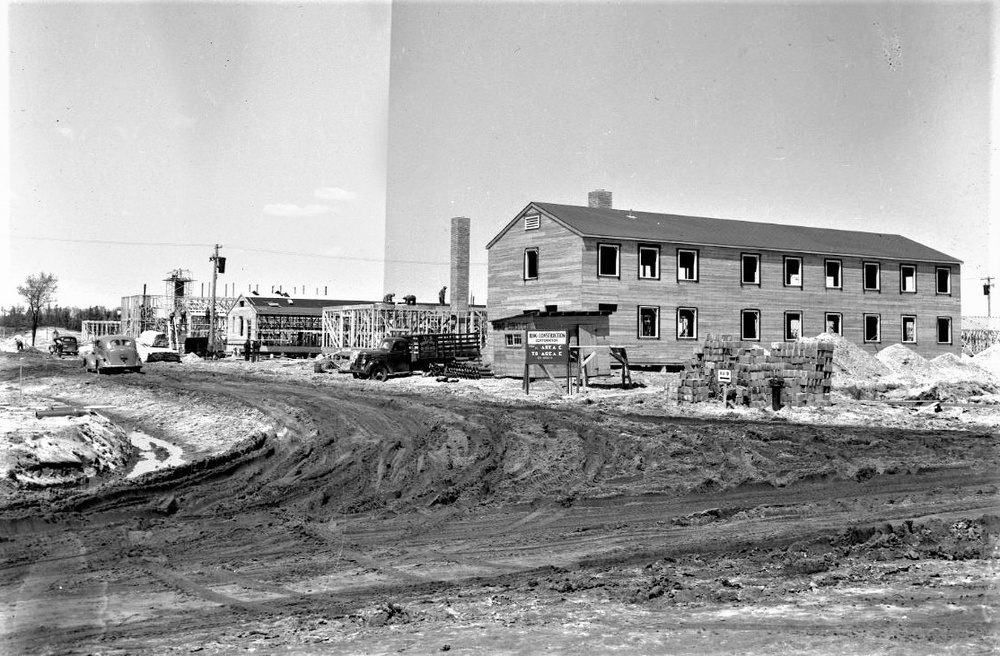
(659, 283)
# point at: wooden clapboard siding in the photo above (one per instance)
(559, 270)
(568, 278)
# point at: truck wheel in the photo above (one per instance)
(381, 374)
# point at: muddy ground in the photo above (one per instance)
(318, 514)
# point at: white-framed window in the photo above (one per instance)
(907, 279)
(944, 330)
(649, 322)
(908, 329)
(750, 269)
(687, 323)
(871, 276)
(793, 325)
(942, 277)
(793, 271)
(834, 274)
(531, 264)
(834, 322)
(514, 340)
(750, 324)
(532, 221)
(649, 262)
(873, 328)
(607, 260)
(687, 265)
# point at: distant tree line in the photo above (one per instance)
(17, 317)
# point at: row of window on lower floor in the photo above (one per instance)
(833, 322)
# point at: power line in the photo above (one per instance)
(238, 248)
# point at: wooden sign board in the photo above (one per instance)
(547, 347)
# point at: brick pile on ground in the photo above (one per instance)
(801, 370)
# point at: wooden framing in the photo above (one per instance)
(91, 330)
(364, 326)
(179, 317)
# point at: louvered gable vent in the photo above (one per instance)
(532, 221)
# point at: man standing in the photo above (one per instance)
(441, 294)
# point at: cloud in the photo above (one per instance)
(292, 210)
(335, 193)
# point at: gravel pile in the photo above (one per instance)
(989, 360)
(906, 364)
(852, 365)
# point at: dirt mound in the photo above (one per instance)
(903, 361)
(852, 365)
(989, 360)
(56, 451)
(934, 537)
(956, 391)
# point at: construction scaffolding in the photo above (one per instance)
(176, 313)
(364, 326)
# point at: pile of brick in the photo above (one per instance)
(801, 371)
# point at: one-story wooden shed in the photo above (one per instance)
(588, 334)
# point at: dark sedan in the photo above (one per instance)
(64, 346)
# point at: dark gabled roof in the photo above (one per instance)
(301, 306)
(701, 231)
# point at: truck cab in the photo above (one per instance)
(402, 354)
(393, 356)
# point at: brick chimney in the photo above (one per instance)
(599, 198)
(458, 290)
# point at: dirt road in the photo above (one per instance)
(369, 518)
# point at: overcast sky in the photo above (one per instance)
(329, 144)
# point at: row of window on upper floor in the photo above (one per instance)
(609, 266)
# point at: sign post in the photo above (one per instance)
(545, 347)
(725, 376)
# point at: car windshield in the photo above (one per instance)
(119, 343)
(160, 341)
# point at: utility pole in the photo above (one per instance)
(987, 287)
(211, 310)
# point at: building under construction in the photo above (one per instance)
(364, 325)
(184, 318)
(277, 325)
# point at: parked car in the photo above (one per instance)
(112, 353)
(66, 345)
(153, 346)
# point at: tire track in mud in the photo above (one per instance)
(505, 494)
(58, 592)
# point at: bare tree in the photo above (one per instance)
(38, 291)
